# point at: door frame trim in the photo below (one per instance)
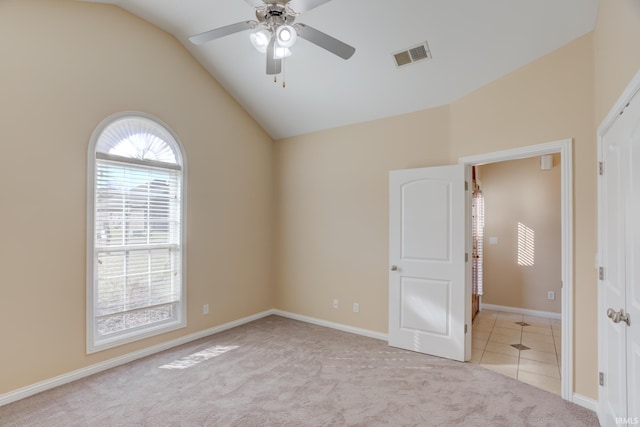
(564, 148)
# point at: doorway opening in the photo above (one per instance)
(477, 243)
(498, 316)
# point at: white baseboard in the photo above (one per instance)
(538, 313)
(332, 325)
(585, 402)
(41, 386)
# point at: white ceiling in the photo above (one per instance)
(473, 42)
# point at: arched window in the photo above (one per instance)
(135, 282)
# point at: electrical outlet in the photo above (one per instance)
(551, 295)
(336, 304)
(356, 307)
(205, 309)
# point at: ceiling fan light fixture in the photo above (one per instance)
(286, 36)
(281, 52)
(260, 40)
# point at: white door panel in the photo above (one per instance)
(633, 377)
(427, 288)
(619, 241)
(632, 234)
(424, 304)
(613, 285)
(425, 240)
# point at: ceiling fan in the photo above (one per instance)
(276, 32)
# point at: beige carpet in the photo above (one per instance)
(280, 372)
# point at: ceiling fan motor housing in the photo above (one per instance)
(275, 14)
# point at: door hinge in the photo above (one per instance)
(601, 378)
(600, 273)
(466, 257)
(600, 168)
(624, 108)
(466, 186)
(465, 328)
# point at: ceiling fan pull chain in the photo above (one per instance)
(284, 83)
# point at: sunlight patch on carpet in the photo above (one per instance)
(201, 356)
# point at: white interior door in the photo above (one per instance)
(619, 298)
(429, 297)
(613, 393)
(632, 222)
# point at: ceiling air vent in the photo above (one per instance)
(412, 55)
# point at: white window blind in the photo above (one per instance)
(137, 287)
(137, 245)
(477, 231)
(480, 231)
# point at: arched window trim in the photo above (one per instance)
(93, 343)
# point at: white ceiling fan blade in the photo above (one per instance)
(301, 6)
(325, 41)
(274, 66)
(255, 3)
(261, 3)
(222, 31)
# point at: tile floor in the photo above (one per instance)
(498, 340)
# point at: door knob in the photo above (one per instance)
(613, 315)
(624, 317)
(394, 268)
(617, 316)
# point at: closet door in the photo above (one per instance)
(632, 222)
(613, 390)
(619, 290)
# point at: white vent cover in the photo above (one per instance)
(412, 55)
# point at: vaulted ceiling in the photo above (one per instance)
(472, 42)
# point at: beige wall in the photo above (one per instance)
(66, 66)
(516, 274)
(617, 57)
(333, 213)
